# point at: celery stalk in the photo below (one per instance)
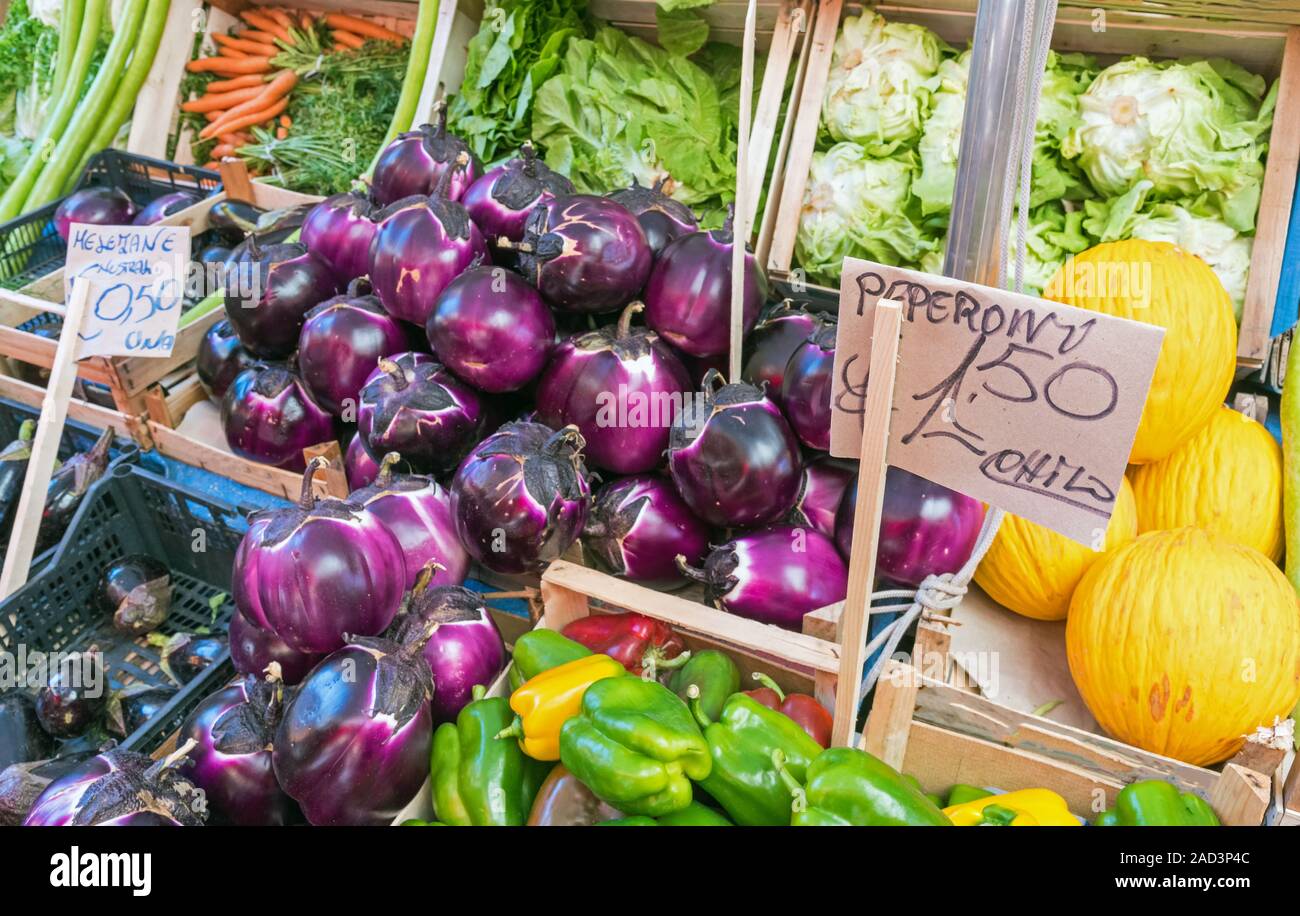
(14, 201)
(417, 65)
(69, 32)
(1291, 461)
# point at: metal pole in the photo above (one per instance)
(990, 140)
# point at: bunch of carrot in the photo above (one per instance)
(249, 91)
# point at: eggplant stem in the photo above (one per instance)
(426, 575)
(690, 572)
(171, 759)
(568, 436)
(308, 498)
(713, 382)
(625, 319)
(506, 243)
(393, 371)
(385, 475)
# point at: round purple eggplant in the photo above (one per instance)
(925, 529)
(781, 329)
(688, 294)
(584, 253)
(340, 343)
(417, 160)
(339, 231)
(360, 466)
(319, 570)
(221, 358)
(74, 694)
(167, 205)
(734, 458)
(824, 481)
(22, 739)
(806, 388)
(269, 417)
(776, 575)
(622, 388)
(421, 411)
(136, 591)
(492, 329)
(232, 731)
(353, 744)
(465, 649)
(120, 789)
(638, 526)
(662, 218)
(269, 291)
(500, 201)
(520, 498)
(417, 510)
(96, 206)
(253, 648)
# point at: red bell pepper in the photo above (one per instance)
(812, 716)
(637, 641)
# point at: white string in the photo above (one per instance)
(944, 592)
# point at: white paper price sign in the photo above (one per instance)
(137, 283)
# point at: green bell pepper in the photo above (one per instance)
(713, 674)
(1156, 803)
(693, 815)
(846, 787)
(962, 793)
(635, 746)
(541, 650)
(743, 780)
(477, 780)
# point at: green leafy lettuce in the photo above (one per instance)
(517, 49)
(619, 109)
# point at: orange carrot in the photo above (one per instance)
(280, 16)
(340, 47)
(361, 27)
(212, 164)
(257, 35)
(227, 66)
(347, 39)
(276, 89)
(281, 133)
(251, 47)
(218, 100)
(286, 121)
(239, 82)
(232, 53)
(259, 20)
(222, 150)
(305, 19)
(256, 117)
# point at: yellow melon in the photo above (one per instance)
(1182, 643)
(1033, 570)
(1227, 479)
(1159, 283)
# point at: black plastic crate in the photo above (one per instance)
(134, 511)
(30, 246)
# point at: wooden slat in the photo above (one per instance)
(1274, 212)
(889, 725)
(804, 136)
(750, 635)
(872, 464)
(1241, 797)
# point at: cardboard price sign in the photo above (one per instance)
(137, 282)
(1025, 404)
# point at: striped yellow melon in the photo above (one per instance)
(1159, 283)
(1033, 570)
(1182, 643)
(1227, 479)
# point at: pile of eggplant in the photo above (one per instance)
(68, 485)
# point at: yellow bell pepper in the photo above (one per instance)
(544, 703)
(1025, 808)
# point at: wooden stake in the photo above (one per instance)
(45, 445)
(740, 225)
(852, 628)
(234, 179)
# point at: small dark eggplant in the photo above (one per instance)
(137, 591)
(184, 655)
(134, 705)
(22, 739)
(233, 215)
(13, 471)
(74, 694)
(67, 487)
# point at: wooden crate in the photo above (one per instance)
(1265, 44)
(128, 378)
(220, 15)
(795, 661)
(780, 32)
(943, 736)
